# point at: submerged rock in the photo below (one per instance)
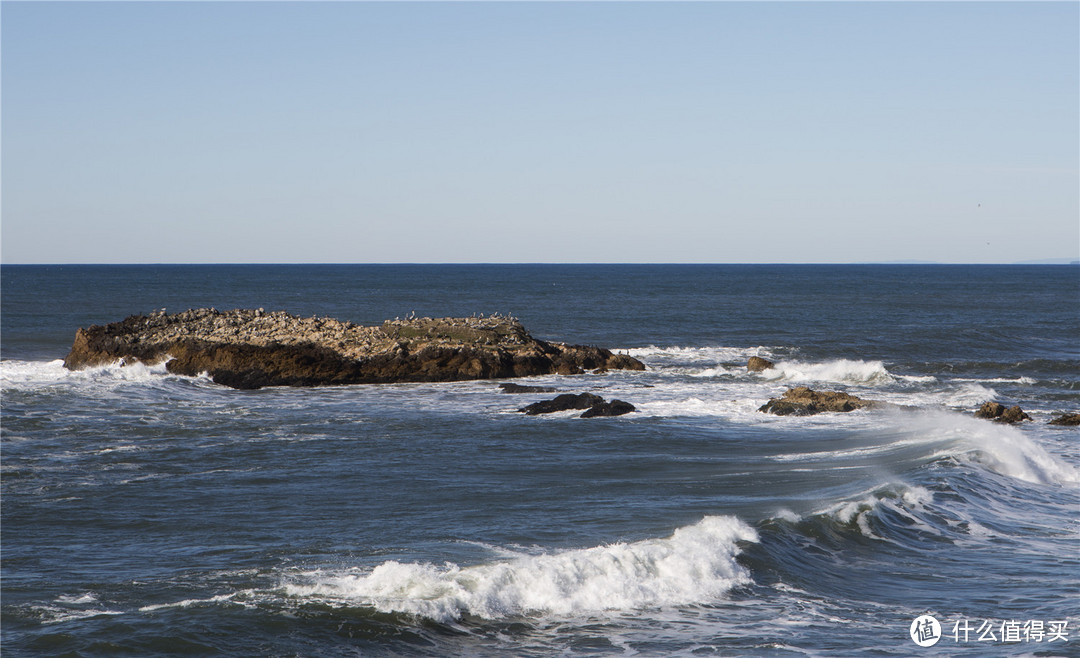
(251, 348)
(511, 387)
(1066, 420)
(999, 413)
(801, 401)
(757, 364)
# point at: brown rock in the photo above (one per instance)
(1013, 414)
(1066, 420)
(801, 401)
(757, 364)
(990, 410)
(252, 348)
(1000, 414)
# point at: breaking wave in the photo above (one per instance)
(846, 371)
(35, 375)
(696, 564)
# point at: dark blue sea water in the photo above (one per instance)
(150, 514)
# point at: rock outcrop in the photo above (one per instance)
(249, 349)
(999, 413)
(1066, 420)
(564, 402)
(594, 405)
(605, 409)
(511, 387)
(801, 401)
(757, 364)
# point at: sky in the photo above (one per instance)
(447, 132)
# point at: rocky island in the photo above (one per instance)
(802, 401)
(248, 349)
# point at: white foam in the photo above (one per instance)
(696, 564)
(56, 615)
(80, 599)
(860, 510)
(19, 374)
(969, 394)
(718, 371)
(72, 607)
(1002, 448)
(187, 603)
(841, 370)
(35, 375)
(1026, 381)
(662, 356)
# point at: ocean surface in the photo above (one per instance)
(150, 514)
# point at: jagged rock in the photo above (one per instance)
(511, 387)
(594, 405)
(801, 401)
(562, 403)
(757, 364)
(253, 348)
(613, 408)
(1000, 414)
(1066, 420)
(1013, 414)
(990, 410)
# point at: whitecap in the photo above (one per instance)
(1004, 449)
(970, 394)
(840, 370)
(1025, 381)
(900, 498)
(38, 375)
(187, 603)
(699, 361)
(696, 564)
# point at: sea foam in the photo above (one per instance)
(34, 375)
(841, 371)
(696, 564)
(1002, 448)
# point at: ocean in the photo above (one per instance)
(150, 514)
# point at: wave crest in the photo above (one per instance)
(695, 564)
(34, 375)
(841, 370)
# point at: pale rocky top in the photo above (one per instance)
(259, 327)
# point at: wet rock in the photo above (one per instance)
(802, 401)
(1013, 414)
(757, 364)
(1066, 420)
(511, 387)
(253, 348)
(594, 405)
(999, 413)
(990, 410)
(562, 403)
(613, 408)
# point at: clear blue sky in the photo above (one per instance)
(540, 132)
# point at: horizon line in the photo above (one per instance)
(1045, 261)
